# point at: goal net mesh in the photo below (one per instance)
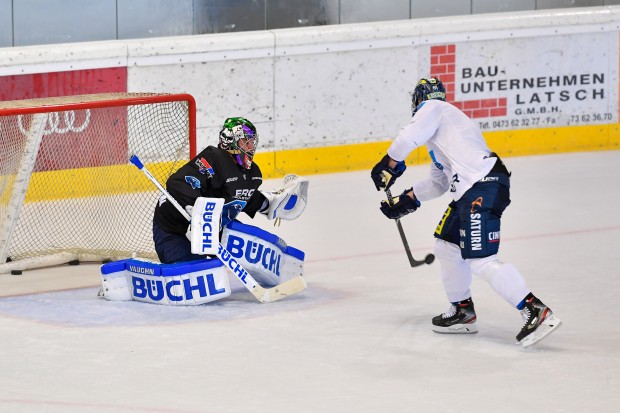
(65, 182)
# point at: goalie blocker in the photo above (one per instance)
(204, 229)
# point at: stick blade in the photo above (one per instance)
(430, 258)
(290, 287)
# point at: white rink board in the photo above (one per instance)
(564, 80)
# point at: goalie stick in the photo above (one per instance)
(412, 261)
(264, 295)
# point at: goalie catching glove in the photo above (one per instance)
(287, 202)
(403, 205)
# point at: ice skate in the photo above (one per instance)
(538, 322)
(459, 319)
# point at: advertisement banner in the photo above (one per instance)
(532, 82)
(76, 138)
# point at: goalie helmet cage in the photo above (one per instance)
(67, 191)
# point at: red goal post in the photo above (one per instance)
(67, 191)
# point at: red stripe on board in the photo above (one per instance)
(76, 82)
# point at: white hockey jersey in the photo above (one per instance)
(459, 153)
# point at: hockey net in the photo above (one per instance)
(67, 191)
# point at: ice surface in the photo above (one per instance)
(359, 338)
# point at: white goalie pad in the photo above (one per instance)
(264, 255)
(205, 225)
(186, 283)
(289, 201)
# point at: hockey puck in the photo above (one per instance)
(74, 262)
(429, 259)
(16, 272)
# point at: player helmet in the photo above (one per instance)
(238, 136)
(427, 89)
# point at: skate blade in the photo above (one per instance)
(457, 329)
(548, 326)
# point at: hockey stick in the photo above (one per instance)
(414, 263)
(264, 295)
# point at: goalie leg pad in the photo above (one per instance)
(264, 255)
(187, 283)
(114, 282)
(289, 201)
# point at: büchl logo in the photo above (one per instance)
(175, 289)
(443, 66)
(255, 253)
(60, 123)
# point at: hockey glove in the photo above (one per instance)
(383, 176)
(403, 205)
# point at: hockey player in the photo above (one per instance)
(227, 172)
(468, 235)
(213, 188)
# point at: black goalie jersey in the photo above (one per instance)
(214, 174)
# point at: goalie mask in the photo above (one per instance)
(239, 138)
(427, 89)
